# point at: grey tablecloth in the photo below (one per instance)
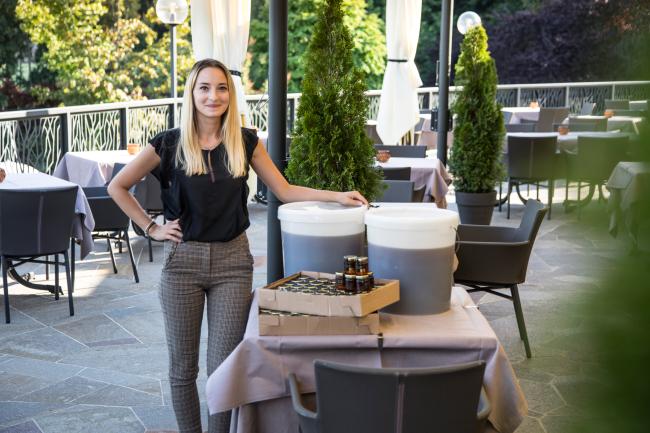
(569, 143)
(254, 376)
(427, 172)
(628, 185)
(628, 124)
(92, 168)
(82, 226)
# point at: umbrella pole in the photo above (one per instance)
(443, 74)
(277, 141)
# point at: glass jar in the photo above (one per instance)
(339, 280)
(362, 283)
(362, 265)
(350, 265)
(350, 283)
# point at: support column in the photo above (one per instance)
(443, 74)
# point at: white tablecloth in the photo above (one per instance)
(254, 376)
(427, 172)
(519, 113)
(92, 168)
(569, 143)
(619, 123)
(82, 226)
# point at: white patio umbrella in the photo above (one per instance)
(398, 106)
(220, 31)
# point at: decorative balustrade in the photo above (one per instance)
(39, 138)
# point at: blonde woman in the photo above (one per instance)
(203, 171)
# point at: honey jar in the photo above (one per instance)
(350, 265)
(350, 283)
(362, 265)
(362, 283)
(371, 280)
(339, 281)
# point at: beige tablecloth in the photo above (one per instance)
(629, 185)
(82, 226)
(92, 168)
(254, 376)
(427, 172)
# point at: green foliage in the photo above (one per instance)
(479, 131)
(13, 42)
(369, 52)
(330, 149)
(98, 53)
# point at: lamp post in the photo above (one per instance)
(172, 13)
(465, 21)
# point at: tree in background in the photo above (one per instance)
(369, 51)
(330, 149)
(100, 51)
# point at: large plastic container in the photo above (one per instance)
(316, 235)
(415, 245)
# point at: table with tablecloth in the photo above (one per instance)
(568, 143)
(629, 124)
(254, 377)
(517, 114)
(90, 168)
(82, 226)
(629, 187)
(427, 172)
(428, 137)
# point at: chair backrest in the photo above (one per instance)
(34, 223)
(530, 223)
(548, 116)
(587, 108)
(404, 151)
(418, 194)
(148, 194)
(630, 113)
(107, 214)
(617, 104)
(520, 127)
(531, 157)
(371, 132)
(507, 115)
(397, 191)
(597, 157)
(376, 400)
(596, 124)
(397, 173)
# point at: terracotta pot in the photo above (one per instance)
(132, 148)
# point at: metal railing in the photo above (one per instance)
(39, 138)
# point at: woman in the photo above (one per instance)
(203, 171)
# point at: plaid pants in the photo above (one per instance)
(193, 272)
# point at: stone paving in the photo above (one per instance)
(104, 370)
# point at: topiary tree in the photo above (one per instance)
(475, 159)
(330, 149)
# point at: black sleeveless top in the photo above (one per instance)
(211, 207)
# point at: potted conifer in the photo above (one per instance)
(475, 159)
(329, 148)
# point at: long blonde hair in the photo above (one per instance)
(188, 152)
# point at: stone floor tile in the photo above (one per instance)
(47, 370)
(63, 392)
(85, 419)
(20, 322)
(46, 344)
(147, 326)
(560, 424)
(93, 329)
(24, 427)
(12, 385)
(574, 389)
(112, 377)
(114, 395)
(530, 425)
(12, 412)
(541, 397)
(157, 418)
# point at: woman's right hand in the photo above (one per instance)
(170, 231)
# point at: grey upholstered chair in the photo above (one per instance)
(396, 173)
(520, 127)
(549, 116)
(397, 191)
(404, 151)
(493, 257)
(587, 108)
(34, 224)
(386, 400)
(617, 104)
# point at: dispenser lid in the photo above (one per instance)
(321, 212)
(411, 218)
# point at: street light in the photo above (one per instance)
(173, 13)
(467, 20)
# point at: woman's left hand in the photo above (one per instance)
(351, 198)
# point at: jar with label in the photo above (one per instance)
(362, 283)
(339, 281)
(362, 265)
(371, 280)
(350, 283)
(350, 265)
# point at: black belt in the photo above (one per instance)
(235, 73)
(398, 60)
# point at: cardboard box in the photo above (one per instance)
(318, 325)
(323, 305)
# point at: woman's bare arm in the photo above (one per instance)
(271, 176)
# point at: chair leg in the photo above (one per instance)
(500, 193)
(72, 260)
(150, 249)
(128, 247)
(509, 191)
(66, 262)
(514, 290)
(5, 286)
(110, 250)
(551, 188)
(578, 202)
(47, 268)
(56, 277)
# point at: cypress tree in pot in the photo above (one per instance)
(475, 159)
(329, 148)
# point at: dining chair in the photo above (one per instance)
(617, 104)
(587, 108)
(630, 113)
(593, 163)
(396, 173)
(597, 124)
(396, 191)
(494, 257)
(403, 151)
(111, 223)
(148, 194)
(444, 399)
(36, 224)
(548, 116)
(531, 160)
(520, 127)
(371, 132)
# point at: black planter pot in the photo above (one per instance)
(475, 208)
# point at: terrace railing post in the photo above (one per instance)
(171, 118)
(518, 97)
(66, 133)
(443, 74)
(277, 141)
(124, 127)
(567, 100)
